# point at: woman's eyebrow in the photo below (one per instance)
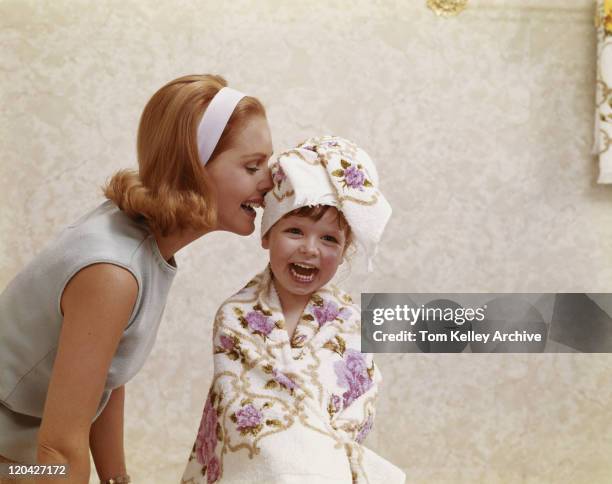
(257, 155)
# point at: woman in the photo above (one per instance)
(79, 321)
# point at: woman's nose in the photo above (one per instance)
(265, 183)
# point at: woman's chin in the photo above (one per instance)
(239, 227)
(243, 231)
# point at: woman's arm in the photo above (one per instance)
(106, 438)
(97, 304)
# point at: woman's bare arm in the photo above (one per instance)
(106, 438)
(97, 304)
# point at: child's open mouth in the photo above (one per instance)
(303, 273)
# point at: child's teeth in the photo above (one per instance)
(302, 278)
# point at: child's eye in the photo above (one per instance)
(330, 238)
(294, 230)
(252, 169)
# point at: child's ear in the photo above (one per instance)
(347, 251)
(265, 243)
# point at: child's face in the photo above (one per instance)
(305, 253)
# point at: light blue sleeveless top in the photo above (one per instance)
(31, 319)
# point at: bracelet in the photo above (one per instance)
(117, 480)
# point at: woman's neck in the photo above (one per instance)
(170, 244)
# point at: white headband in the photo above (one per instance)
(215, 119)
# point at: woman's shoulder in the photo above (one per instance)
(106, 282)
(102, 234)
(106, 223)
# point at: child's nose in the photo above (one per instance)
(308, 247)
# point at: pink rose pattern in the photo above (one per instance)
(248, 418)
(213, 470)
(365, 429)
(278, 175)
(206, 441)
(352, 373)
(259, 322)
(335, 404)
(328, 312)
(284, 380)
(227, 343)
(351, 173)
(354, 177)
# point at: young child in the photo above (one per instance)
(292, 396)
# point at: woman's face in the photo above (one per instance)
(242, 177)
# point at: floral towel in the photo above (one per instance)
(288, 411)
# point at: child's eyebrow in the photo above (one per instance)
(293, 223)
(332, 230)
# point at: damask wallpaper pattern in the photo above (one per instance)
(481, 126)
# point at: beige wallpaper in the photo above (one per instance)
(481, 127)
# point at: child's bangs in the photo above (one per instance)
(316, 212)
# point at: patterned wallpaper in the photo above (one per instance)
(481, 127)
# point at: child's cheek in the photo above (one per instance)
(292, 245)
(331, 255)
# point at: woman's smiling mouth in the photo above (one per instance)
(250, 206)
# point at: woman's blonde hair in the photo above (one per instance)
(171, 189)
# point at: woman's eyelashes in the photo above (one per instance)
(252, 169)
(255, 164)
